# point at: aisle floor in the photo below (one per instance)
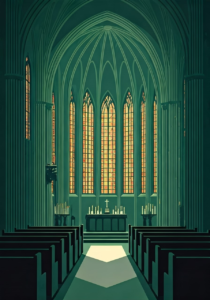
(108, 272)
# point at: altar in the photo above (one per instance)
(106, 222)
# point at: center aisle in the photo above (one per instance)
(107, 272)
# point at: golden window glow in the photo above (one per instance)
(72, 146)
(155, 144)
(27, 95)
(128, 145)
(108, 146)
(53, 135)
(88, 146)
(143, 145)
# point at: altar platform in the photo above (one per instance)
(106, 222)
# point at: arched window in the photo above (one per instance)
(143, 144)
(108, 146)
(155, 145)
(72, 146)
(88, 145)
(28, 98)
(128, 145)
(53, 135)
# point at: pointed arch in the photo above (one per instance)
(88, 144)
(108, 146)
(128, 154)
(27, 99)
(143, 144)
(72, 145)
(155, 145)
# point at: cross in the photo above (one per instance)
(106, 203)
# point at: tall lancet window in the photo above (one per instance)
(53, 136)
(88, 145)
(72, 146)
(155, 145)
(128, 145)
(143, 144)
(27, 99)
(108, 146)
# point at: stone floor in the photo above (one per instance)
(107, 273)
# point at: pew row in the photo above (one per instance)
(49, 265)
(166, 237)
(160, 265)
(34, 241)
(65, 228)
(30, 284)
(136, 240)
(187, 278)
(131, 230)
(70, 238)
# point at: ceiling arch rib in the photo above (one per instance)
(139, 36)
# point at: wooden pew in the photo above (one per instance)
(71, 243)
(149, 254)
(49, 265)
(150, 228)
(187, 278)
(59, 229)
(22, 278)
(160, 265)
(79, 228)
(60, 254)
(136, 230)
(166, 237)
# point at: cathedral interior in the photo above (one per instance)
(105, 117)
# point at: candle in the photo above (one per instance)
(150, 207)
(152, 211)
(118, 211)
(155, 210)
(101, 211)
(95, 210)
(144, 211)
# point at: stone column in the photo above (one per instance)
(15, 123)
(49, 199)
(194, 120)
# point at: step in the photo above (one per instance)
(104, 240)
(105, 233)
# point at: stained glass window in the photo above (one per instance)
(155, 144)
(128, 145)
(88, 145)
(28, 98)
(53, 135)
(72, 145)
(108, 146)
(143, 144)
